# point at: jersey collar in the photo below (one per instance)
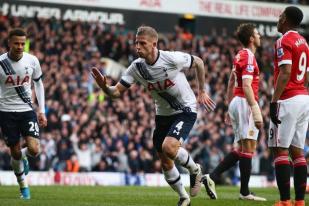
(156, 59)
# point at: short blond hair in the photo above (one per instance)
(147, 30)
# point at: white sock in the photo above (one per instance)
(172, 177)
(184, 159)
(18, 168)
(24, 152)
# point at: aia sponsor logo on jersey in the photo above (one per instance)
(280, 52)
(159, 86)
(12, 80)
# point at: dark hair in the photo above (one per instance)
(244, 32)
(17, 32)
(294, 15)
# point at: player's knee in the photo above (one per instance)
(280, 152)
(248, 149)
(296, 152)
(169, 150)
(34, 150)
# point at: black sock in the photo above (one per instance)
(283, 173)
(300, 177)
(245, 172)
(228, 162)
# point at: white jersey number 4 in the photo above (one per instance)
(178, 127)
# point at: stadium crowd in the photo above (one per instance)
(88, 132)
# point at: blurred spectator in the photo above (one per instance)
(72, 164)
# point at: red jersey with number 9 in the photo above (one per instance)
(292, 49)
(245, 66)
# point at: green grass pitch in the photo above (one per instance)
(125, 196)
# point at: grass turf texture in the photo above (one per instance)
(125, 196)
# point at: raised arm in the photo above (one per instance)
(112, 91)
(203, 97)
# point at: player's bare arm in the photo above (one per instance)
(249, 94)
(112, 91)
(230, 91)
(40, 95)
(283, 78)
(230, 86)
(203, 97)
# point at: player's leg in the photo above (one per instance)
(300, 174)
(209, 180)
(33, 146)
(285, 135)
(171, 147)
(245, 165)
(10, 129)
(279, 144)
(19, 170)
(283, 173)
(30, 131)
(297, 152)
(172, 177)
(170, 172)
(230, 159)
(233, 157)
(228, 162)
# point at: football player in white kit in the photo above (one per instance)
(17, 116)
(176, 106)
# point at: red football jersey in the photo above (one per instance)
(292, 49)
(245, 66)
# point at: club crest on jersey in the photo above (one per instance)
(280, 52)
(250, 68)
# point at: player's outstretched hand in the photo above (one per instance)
(42, 120)
(206, 101)
(99, 78)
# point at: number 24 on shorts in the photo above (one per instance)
(34, 127)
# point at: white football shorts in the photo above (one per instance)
(294, 116)
(242, 120)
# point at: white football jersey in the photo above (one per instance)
(15, 82)
(165, 80)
